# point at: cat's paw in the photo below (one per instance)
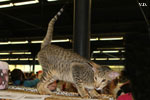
(97, 97)
(86, 97)
(42, 89)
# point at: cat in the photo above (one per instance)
(62, 64)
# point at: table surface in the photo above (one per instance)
(24, 95)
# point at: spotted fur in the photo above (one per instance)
(61, 64)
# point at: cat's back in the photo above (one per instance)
(59, 53)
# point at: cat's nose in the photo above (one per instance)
(98, 88)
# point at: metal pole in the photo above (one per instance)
(33, 69)
(81, 29)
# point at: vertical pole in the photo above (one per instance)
(81, 27)
(33, 69)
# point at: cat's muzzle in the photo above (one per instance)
(98, 88)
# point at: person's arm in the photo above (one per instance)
(31, 83)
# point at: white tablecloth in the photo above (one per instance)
(21, 96)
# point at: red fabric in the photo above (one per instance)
(64, 86)
(40, 72)
(127, 96)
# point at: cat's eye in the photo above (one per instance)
(95, 78)
(103, 80)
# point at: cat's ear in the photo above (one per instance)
(113, 75)
(94, 65)
(94, 69)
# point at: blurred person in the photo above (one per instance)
(32, 76)
(125, 92)
(18, 78)
(39, 74)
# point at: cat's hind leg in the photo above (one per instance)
(47, 77)
(45, 80)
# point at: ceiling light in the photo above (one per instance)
(122, 50)
(122, 58)
(26, 3)
(111, 51)
(18, 42)
(6, 5)
(92, 58)
(18, 53)
(114, 38)
(100, 58)
(10, 42)
(4, 59)
(23, 59)
(96, 51)
(65, 40)
(114, 59)
(4, 53)
(36, 41)
(27, 53)
(13, 59)
(21, 53)
(51, 0)
(3, 43)
(117, 67)
(94, 39)
(4, 0)
(30, 58)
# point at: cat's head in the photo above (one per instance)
(102, 76)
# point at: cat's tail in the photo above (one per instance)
(48, 38)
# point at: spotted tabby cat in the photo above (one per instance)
(61, 64)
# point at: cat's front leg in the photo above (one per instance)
(94, 94)
(81, 90)
(77, 74)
